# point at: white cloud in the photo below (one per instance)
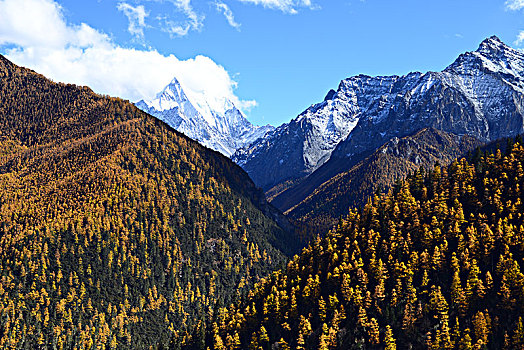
(226, 11)
(520, 38)
(514, 5)
(43, 41)
(32, 23)
(136, 17)
(173, 28)
(194, 20)
(288, 6)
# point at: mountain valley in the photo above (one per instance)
(174, 223)
(434, 264)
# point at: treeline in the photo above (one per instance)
(387, 165)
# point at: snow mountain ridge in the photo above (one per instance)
(213, 121)
(481, 94)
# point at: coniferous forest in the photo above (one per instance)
(434, 263)
(115, 230)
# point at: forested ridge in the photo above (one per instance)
(435, 263)
(115, 230)
(390, 163)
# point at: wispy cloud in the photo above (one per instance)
(194, 21)
(287, 6)
(520, 38)
(514, 5)
(136, 17)
(226, 11)
(173, 28)
(35, 34)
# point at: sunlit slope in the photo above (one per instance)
(115, 230)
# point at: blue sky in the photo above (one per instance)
(273, 57)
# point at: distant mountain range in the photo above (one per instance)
(480, 95)
(117, 231)
(215, 122)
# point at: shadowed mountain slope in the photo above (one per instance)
(481, 95)
(393, 161)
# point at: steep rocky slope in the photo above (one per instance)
(214, 122)
(481, 95)
(391, 162)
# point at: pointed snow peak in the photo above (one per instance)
(211, 119)
(493, 45)
(492, 40)
(174, 86)
(174, 82)
(330, 95)
(492, 55)
(170, 97)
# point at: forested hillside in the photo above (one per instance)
(390, 163)
(115, 230)
(433, 264)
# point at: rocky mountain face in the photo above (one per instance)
(299, 147)
(214, 122)
(481, 95)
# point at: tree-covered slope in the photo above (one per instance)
(393, 161)
(115, 230)
(434, 264)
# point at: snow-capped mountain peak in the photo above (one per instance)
(172, 96)
(480, 94)
(492, 46)
(491, 56)
(212, 120)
